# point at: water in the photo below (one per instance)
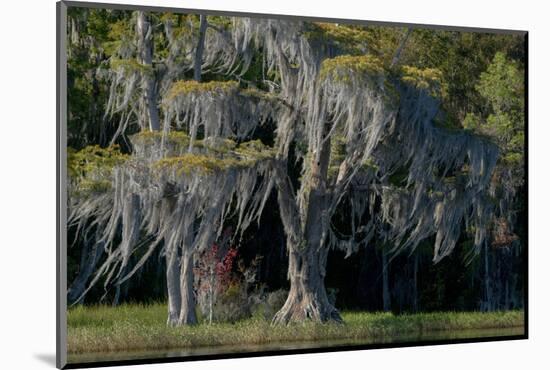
(228, 349)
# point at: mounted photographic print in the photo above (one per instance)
(235, 184)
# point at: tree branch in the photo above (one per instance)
(399, 50)
(290, 215)
(197, 70)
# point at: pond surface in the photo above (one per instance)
(228, 349)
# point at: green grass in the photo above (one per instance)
(138, 327)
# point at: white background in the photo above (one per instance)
(27, 194)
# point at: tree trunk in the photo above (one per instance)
(415, 283)
(173, 287)
(197, 68)
(121, 290)
(400, 48)
(488, 292)
(211, 297)
(145, 49)
(307, 298)
(187, 277)
(386, 297)
(90, 256)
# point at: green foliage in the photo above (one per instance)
(217, 144)
(502, 85)
(173, 137)
(461, 57)
(347, 68)
(221, 22)
(92, 159)
(337, 154)
(347, 38)
(399, 176)
(255, 150)
(258, 94)
(119, 32)
(130, 66)
(90, 169)
(87, 29)
(429, 79)
(255, 74)
(368, 165)
(355, 39)
(502, 88)
(206, 164)
(182, 24)
(220, 155)
(185, 87)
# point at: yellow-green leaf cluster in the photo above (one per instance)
(94, 158)
(347, 68)
(219, 157)
(91, 168)
(130, 65)
(255, 149)
(427, 79)
(202, 163)
(176, 138)
(337, 154)
(351, 39)
(219, 145)
(185, 87)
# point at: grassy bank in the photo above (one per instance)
(136, 327)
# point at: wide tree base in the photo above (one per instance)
(181, 320)
(172, 320)
(188, 317)
(306, 309)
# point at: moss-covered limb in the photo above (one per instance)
(146, 141)
(373, 103)
(175, 192)
(373, 135)
(133, 78)
(133, 75)
(350, 69)
(94, 158)
(346, 68)
(347, 38)
(151, 137)
(338, 155)
(217, 144)
(217, 109)
(190, 163)
(182, 88)
(257, 94)
(90, 169)
(176, 143)
(89, 187)
(218, 157)
(255, 150)
(186, 87)
(130, 66)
